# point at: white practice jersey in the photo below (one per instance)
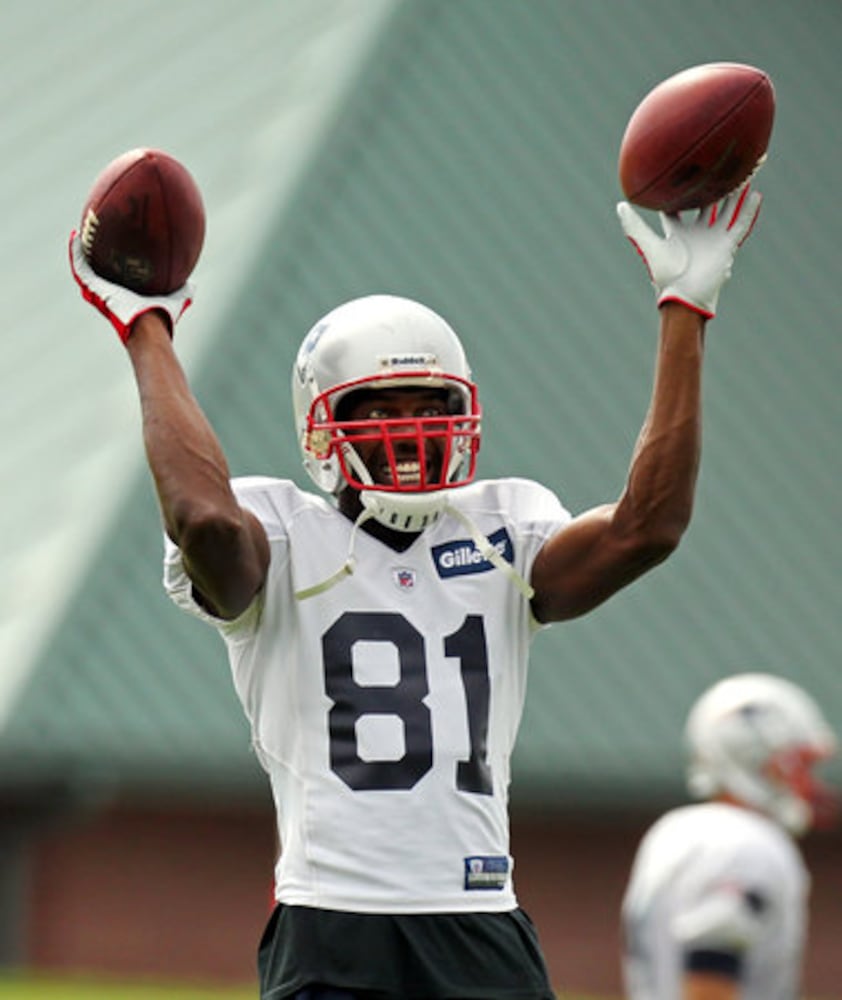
(385, 708)
(719, 879)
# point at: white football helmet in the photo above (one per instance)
(756, 738)
(383, 342)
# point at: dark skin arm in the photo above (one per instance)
(225, 549)
(606, 548)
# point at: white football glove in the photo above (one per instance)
(121, 306)
(692, 260)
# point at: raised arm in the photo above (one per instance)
(606, 548)
(224, 546)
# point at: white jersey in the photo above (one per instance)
(719, 879)
(385, 708)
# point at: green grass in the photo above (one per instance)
(40, 988)
(24, 987)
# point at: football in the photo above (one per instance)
(696, 136)
(143, 222)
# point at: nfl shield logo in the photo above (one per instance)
(404, 578)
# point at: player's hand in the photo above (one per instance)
(120, 305)
(693, 259)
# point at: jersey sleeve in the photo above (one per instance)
(254, 494)
(539, 514)
(731, 910)
(179, 587)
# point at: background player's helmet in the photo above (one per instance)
(757, 737)
(380, 342)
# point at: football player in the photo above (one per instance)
(378, 631)
(716, 903)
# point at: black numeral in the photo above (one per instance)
(404, 699)
(473, 774)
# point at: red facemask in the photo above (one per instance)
(445, 445)
(795, 769)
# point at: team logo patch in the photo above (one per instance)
(483, 871)
(462, 557)
(404, 578)
(307, 348)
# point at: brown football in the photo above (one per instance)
(143, 222)
(696, 136)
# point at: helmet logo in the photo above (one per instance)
(393, 361)
(307, 348)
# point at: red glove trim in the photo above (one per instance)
(690, 305)
(124, 329)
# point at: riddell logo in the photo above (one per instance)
(462, 557)
(408, 361)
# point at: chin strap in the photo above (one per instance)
(346, 569)
(490, 553)
(373, 507)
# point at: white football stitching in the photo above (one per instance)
(89, 228)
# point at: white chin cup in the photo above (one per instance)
(404, 511)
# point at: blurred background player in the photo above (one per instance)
(379, 636)
(716, 905)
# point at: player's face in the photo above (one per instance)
(409, 449)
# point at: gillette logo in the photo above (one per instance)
(462, 557)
